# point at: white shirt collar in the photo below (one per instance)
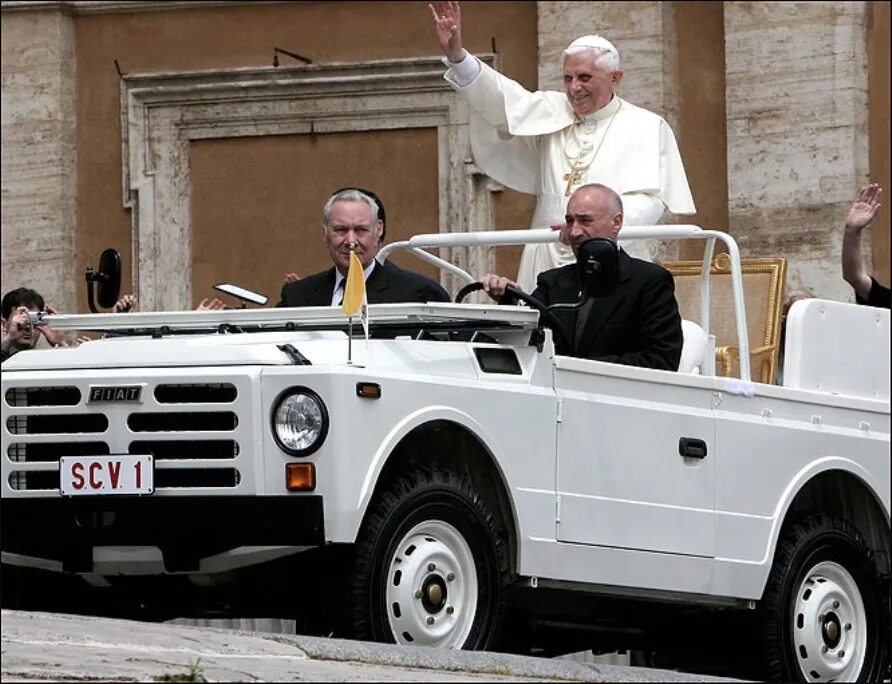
(606, 111)
(336, 294)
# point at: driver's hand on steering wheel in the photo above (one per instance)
(494, 285)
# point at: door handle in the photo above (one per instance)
(691, 447)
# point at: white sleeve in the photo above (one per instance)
(640, 209)
(465, 71)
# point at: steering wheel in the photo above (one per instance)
(556, 325)
(466, 290)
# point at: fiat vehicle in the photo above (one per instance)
(451, 481)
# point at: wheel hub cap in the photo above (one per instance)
(433, 594)
(431, 587)
(831, 630)
(829, 625)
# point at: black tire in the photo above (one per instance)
(25, 588)
(823, 612)
(426, 595)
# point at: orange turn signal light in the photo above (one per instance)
(368, 390)
(300, 477)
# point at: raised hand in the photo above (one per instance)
(291, 277)
(54, 337)
(860, 215)
(126, 304)
(18, 329)
(865, 207)
(210, 305)
(447, 23)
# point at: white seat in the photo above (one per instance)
(839, 348)
(693, 350)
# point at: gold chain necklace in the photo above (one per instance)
(578, 164)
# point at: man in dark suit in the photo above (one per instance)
(351, 222)
(638, 324)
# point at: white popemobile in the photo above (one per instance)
(457, 484)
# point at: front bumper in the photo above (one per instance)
(185, 529)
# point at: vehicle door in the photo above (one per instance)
(625, 478)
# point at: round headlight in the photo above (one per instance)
(300, 421)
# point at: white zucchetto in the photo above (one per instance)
(594, 42)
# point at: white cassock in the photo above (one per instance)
(531, 141)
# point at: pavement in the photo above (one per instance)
(54, 647)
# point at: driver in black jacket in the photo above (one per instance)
(638, 324)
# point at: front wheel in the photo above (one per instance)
(825, 618)
(431, 567)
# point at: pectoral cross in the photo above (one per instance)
(573, 178)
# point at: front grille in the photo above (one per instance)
(195, 449)
(44, 479)
(77, 423)
(205, 393)
(43, 396)
(197, 477)
(182, 422)
(42, 452)
(40, 437)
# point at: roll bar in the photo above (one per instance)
(327, 316)
(417, 245)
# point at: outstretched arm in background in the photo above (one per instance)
(859, 217)
(447, 23)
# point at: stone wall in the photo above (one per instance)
(797, 127)
(796, 99)
(797, 133)
(117, 41)
(38, 162)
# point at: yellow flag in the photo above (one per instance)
(354, 289)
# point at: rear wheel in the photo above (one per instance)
(431, 567)
(824, 616)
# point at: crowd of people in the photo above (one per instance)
(595, 162)
(20, 335)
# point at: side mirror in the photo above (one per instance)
(109, 279)
(598, 267)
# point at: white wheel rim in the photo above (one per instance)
(829, 625)
(431, 587)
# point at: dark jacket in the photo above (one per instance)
(387, 284)
(878, 296)
(638, 325)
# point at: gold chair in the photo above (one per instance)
(764, 281)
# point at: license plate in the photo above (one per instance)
(100, 475)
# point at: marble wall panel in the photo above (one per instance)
(797, 132)
(797, 124)
(38, 161)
